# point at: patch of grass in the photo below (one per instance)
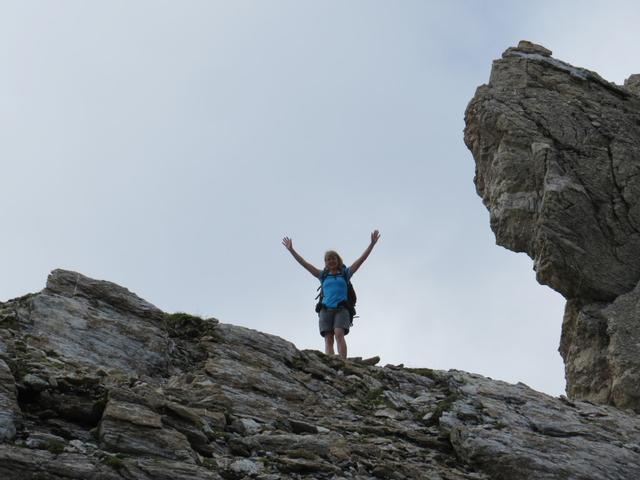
(298, 363)
(9, 321)
(215, 434)
(113, 461)
(499, 425)
(442, 406)
(183, 316)
(185, 325)
(209, 464)
(100, 405)
(424, 372)
(350, 368)
(55, 447)
(374, 399)
(300, 453)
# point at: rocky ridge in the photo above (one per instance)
(557, 152)
(97, 383)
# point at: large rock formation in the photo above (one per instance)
(96, 383)
(557, 152)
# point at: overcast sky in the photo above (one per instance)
(168, 146)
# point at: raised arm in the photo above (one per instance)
(286, 241)
(375, 236)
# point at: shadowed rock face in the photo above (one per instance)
(97, 383)
(557, 152)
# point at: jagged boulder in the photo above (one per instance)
(180, 397)
(557, 152)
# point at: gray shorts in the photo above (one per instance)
(331, 318)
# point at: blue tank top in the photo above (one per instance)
(334, 288)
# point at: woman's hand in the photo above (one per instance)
(288, 244)
(375, 236)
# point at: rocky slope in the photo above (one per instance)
(557, 151)
(96, 383)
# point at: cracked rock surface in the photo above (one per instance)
(96, 383)
(557, 152)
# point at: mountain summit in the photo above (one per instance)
(97, 383)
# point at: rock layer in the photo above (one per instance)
(146, 395)
(557, 151)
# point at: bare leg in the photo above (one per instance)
(342, 344)
(328, 343)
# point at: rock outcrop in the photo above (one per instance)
(96, 383)
(557, 151)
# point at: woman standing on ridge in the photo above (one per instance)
(334, 318)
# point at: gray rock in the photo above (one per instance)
(525, 46)
(633, 83)
(7, 426)
(136, 429)
(511, 431)
(18, 463)
(557, 187)
(246, 467)
(230, 402)
(298, 426)
(77, 446)
(557, 151)
(9, 410)
(112, 339)
(603, 352)
(246, 426)
(46, 441)
(34, 382)
(73, 284)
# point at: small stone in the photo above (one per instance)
(387, 413)
(302, 427)
(245, 426)
(529, 47)
(76, 446)
(371, 361)
(246, 467)
(422, 399)
(428, 416)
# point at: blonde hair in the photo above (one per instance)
(333, 253)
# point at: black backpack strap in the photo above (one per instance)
(323, 275)
(320, 295)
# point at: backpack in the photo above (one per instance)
(350, 303)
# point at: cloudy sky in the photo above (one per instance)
(168, 146)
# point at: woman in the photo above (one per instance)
(334, 318)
